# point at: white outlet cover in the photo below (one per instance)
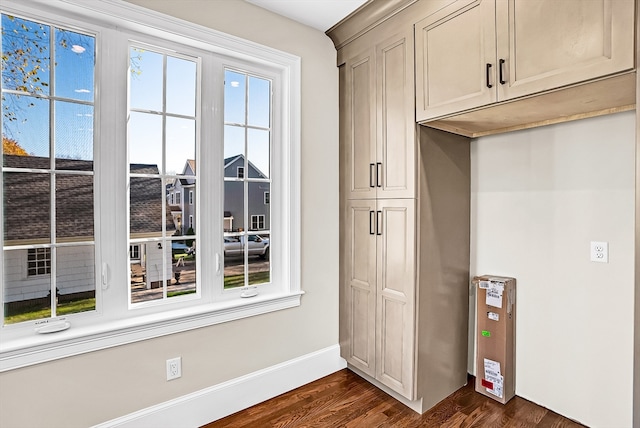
(174, 368)
(600, 251)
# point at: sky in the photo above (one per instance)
(74, 59)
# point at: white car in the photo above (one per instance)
(258, 246)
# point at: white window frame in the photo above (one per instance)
(256, 218)
(19, 345)
(240, 172)
(190, 197)
(178, 196)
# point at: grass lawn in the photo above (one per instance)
(30, 313)
(234, 281)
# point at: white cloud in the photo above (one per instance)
(77, 49)
(82, 91)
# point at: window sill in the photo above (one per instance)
(40, 348)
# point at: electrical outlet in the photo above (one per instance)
(599, 251)
(174, 368)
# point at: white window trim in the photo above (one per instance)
(257, 218)
(238, 169)
(190, 197)
(33, 349)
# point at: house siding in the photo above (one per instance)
(75, 274)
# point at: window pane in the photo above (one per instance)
(146, 278)
(234, 97)
(234, 262)
(259, 154)
(233, 143)
(74, 208)
(74, 62)
(146, 79)
(181, 145)
(181, 86)
(75, 279)
(145, 139)
(25, 55)
(184, 268)
(234, 204)
(73, 133)
(27, 198)
(25, 126)
(146, 206)
(259, 102)
(259, 212)
(259, 265)
(26, 297)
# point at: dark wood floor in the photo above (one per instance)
(343, 399)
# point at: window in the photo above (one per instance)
(38, 261)
(257, 222)
(247, 140)
(163, 117)
(134, 252)
(48, 170)
(67, 152)
(266, 198)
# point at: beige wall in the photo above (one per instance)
(538, 198)
(88, 389)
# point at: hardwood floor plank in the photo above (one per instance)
(345, 400)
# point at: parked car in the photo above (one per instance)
(258, 246)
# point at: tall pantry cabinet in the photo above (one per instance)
(404, 255)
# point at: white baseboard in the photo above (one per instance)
(218, 401)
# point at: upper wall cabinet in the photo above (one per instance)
(378, 120)
(477, 52)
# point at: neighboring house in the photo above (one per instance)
(181, 197)
(28, 271)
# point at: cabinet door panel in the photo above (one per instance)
(360, 138)
(396, 295)
(550, 43)
(396, 123)
(359, 308)
(453, 48)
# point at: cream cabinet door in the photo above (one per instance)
(396, 283)
(358, 307)
(455, 59)
(396, 144)
(378, 141)
(359, 121)
(547, 44)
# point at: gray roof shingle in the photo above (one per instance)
(27, 200)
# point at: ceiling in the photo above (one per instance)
(319, 14)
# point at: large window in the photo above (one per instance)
(90, 110)
(48, 171)
(247, 148)
(162, 138)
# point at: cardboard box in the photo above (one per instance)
(496, 333)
